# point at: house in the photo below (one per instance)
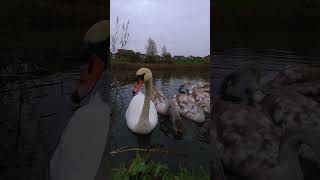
(157, 57)
(207, 57)
(125, 51)
(140, 55)
(178, 57)
(112, 55)
(190, 57)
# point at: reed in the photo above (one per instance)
(142, 167)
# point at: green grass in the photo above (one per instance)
(145, 169)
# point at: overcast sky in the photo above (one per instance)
(182, 25)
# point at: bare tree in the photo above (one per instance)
(115, 36)
(164, 50)
(125, 35)
(151, 49)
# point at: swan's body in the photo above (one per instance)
(188, 88)
(184, 101)
(188, 107)
(246, 140)
(291, 75)
(302, 79)
(134, 112)
(309, 89)
(191, 106)
(192, 101)
(176, 117)
(80, 152)
(251, 146)
(81, 147)
(141, 115)
(291, 110)
(246, 85)
(202, 98)
(160, 101)
(283, 93)
(280, 98)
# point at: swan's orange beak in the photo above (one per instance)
(137, 86)
(90, 74)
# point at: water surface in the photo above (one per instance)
(190, 150)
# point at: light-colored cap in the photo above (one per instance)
(98, 32)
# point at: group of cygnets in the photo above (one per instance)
(191, 102)
(265, 122)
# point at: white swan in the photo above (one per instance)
(79, 154)
(141, 115)
(81, 147)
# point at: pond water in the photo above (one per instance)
(32, 120)
(46, 110)
(190, 150)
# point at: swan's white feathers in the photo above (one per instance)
(92, 122)
(134, 111)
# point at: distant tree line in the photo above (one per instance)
(119, 40)
(151, 54)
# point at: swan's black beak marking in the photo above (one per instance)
(140, 77)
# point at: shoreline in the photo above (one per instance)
(158, 66)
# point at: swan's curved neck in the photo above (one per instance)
(102, 87)
(144, 117)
